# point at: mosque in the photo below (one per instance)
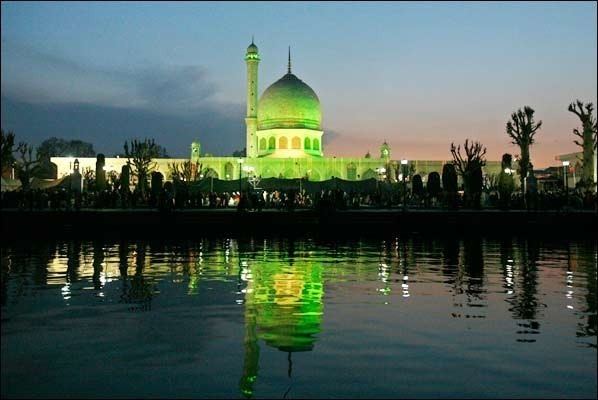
(284, 139)
(284, 135)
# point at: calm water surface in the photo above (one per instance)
(404, 317)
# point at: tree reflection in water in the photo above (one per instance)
(136, 290)
(586, 252)
(281, 287)
(524, 301)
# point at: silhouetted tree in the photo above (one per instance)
(588, 143)
(433, 184)
(506, 183)
(100, 172)
(522, 130)
(56, 147)
(449, 184)
(89, 179)
(470, 168)
(139, 157)
(240, 153)
(187, 171)
(157, 180)
(26, 165)
(7, 142)
(417, 186)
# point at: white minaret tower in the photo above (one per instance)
(252, 59)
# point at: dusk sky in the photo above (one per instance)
(418, 75)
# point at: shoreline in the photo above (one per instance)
(151, 223)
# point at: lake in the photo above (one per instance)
(258, 317)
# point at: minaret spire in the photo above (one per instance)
(252, 39)
(289, 70)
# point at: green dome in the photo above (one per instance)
(289, 103)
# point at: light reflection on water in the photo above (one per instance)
(298, 318)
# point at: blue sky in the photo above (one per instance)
(418, 75)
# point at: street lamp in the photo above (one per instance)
(404, 163)
(565, 168)
(240, 161)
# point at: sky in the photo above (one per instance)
(419, 75)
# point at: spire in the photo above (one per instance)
(289, 71)
(252, 39)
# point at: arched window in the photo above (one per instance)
(262, 144)
(228, 171)
(369, 174)
(351, 172)
(210, 173)
(283, 143)
(271, 143)
(296, 143)
(316, 144)
(307, 144)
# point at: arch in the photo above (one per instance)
(351, 172)
(271, 143)
(296, 142)
(314, 176)
(262, 144)
(210, 173)
(283, 143)
(228, 171)
(315, 144)
(307, 144)
(369, 174)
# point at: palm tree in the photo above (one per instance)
(522, 130)
(588, 137)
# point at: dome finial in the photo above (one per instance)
(289, 71)
(252, 39)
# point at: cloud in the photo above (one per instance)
(329, 136)
(45, 95)
(220, 131)
(35, 76)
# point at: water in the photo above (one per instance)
(226, 318)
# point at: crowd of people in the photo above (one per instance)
(167, 198)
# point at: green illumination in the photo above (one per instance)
(289, 103)
(283, 307)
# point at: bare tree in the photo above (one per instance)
(470, 168)
(522, 130)
(7, 142)
(139, 158)
(186, 171)
(26, 165)
(588, 140)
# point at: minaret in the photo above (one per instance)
(252, 59)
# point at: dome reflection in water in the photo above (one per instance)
(300, 318)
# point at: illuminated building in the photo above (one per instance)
(284, 139)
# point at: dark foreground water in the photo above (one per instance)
(404, 317)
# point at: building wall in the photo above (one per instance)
(313, 168)
(576, 166)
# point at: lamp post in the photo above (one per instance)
(300, 177)
(566, 177)
(404, 163)
(240, 161)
